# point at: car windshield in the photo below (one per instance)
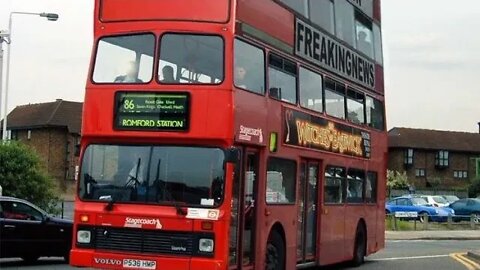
(153, 174)
(439, 199)
(419, 201)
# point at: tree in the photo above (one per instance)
(396, 180)
(474, 188)
(22, 176)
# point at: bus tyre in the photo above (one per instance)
(359, 250)
(275, 255)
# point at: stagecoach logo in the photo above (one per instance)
(107, 261)
(246, 134)
(139, 222)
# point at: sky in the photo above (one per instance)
(431, 58)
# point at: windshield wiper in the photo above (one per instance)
(180, 210)
(109, 206)
(111, 202)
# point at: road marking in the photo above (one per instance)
(412, 240)
(411, 257)
(460, 257)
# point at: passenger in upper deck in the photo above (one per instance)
(363, 44)
(239, 76)
(130, 75)
(168, 75)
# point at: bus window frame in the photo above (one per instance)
(95, 53)
(299, 94)
(336, 82)
(267, 70)
(374, 198)
(159, 50)
(343, 185)
(349, 90)
(265, 52)
(355, 200)
(294, 202)
(382, 102)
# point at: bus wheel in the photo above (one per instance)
(275, 255)
(359, 251)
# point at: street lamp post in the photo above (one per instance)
(50, 17)
(4, 37)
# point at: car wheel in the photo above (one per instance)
(423, 216)
(476, 218)
(30, 258)
(275, 255)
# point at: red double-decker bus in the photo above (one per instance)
(232, 134)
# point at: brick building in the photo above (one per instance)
(53, 130)
(433, 158)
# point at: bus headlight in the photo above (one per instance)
(84, 236)
(205, 245)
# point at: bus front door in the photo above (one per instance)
(307, 212)
(242, 238)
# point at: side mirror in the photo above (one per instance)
(46, 219)
(232, 155)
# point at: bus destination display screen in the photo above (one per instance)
(151, 111)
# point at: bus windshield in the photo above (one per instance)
(153, 174)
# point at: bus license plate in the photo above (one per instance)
(139, 264)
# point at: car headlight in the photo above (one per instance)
(205, 245)
(453, 212)
(84, 236)
(436, 211)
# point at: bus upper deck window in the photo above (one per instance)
(191, 59)
(124, 59)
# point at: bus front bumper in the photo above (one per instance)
(91, 258)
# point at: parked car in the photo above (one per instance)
(419, 205)
(450, 198)
(437, 201)
(29, 232)
(466, 208)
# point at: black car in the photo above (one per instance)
(467, 209)
(28, 232)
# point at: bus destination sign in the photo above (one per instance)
(313, 132)
(151, 111)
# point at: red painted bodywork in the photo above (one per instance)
(216, 114)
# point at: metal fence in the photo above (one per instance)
(397, 222)
(458, 193)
